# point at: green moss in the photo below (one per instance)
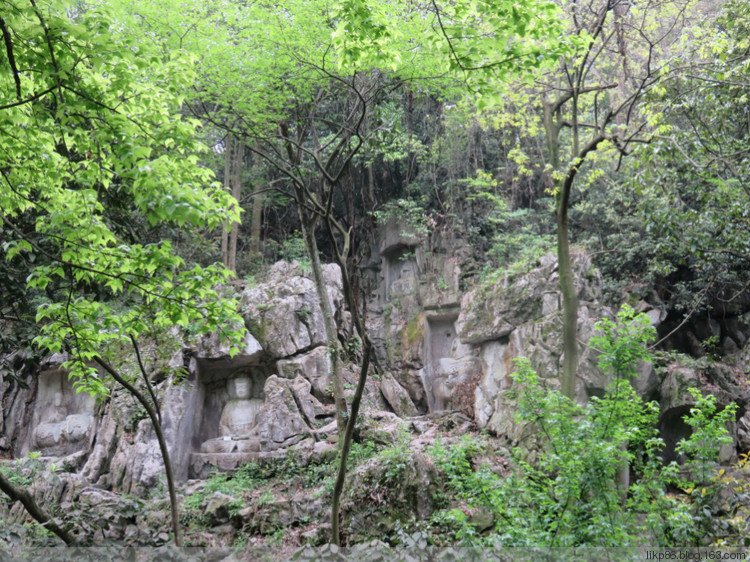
(414, 331)
(257, 328)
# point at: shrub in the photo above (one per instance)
(567, 493)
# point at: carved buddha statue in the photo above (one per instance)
(238, 418)
(58, 428)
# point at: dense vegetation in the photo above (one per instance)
(152, 150)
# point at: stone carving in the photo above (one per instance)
(62, 422)
(238, 419)
(61, 428)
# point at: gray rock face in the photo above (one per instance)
(487, 316)
(281, 419)
(397, 397)
(283, 312)
(315, 366)
(283, 359)
(523, 319)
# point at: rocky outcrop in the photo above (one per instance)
(283, 312)
(284, 360)
(522, 318)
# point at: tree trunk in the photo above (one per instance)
(239, 150)
(225, 226)
(570, 298)
(257, 223)
(359, 325)
(33, 509)
(371, 185)
(334, 347)
(346, 443)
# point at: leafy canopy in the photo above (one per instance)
(85, 112)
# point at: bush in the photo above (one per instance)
(567, 494)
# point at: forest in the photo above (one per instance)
(389, 275)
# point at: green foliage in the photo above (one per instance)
(622, 345)
(24, 471)
(565, 492)
(99, 115)
(394, 459)
(481, 40)
(405, 212)
(293, 248)
(521, 235)
(709, 429)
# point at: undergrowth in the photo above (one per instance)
(568, 492)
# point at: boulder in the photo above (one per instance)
(283, 313)
(397, 397)
(315, 366)
(280, 420)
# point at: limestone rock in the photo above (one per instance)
(408, 494)
(283, 313)
(674, 388)
(213, 347)
(492, 315)
(217, 509)
(397, 397)
(308, 405)
(315, 366)
(280, 420)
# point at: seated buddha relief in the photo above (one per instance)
(238, 419)
(63, 419)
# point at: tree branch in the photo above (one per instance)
(19, 495)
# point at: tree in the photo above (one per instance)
(594, 95)
(696, 171)
(86, 115)
(300, 118)
(585, 107)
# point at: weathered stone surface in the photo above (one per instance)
(492, 314)
(439, 287)
(203, 464)
(315, 366)
(523, 319)
(496, 357)
(283, 313)
(62, 421)
(213, 347)
(280, 419)
(217, 509)
(312, 409)
(674, 388)
(372, 398)
(407, 494)
(397, 397)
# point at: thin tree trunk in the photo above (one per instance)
(239, 150)
(346, 443)
(334, 347)
(225, 226)
(371, 185)
(156, 424)
(257, 223)
(567, 286)
(359, 325)
(33, 509)
(569, 297)
(565, 268)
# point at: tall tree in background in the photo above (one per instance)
(585, 106)
(590, 102)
